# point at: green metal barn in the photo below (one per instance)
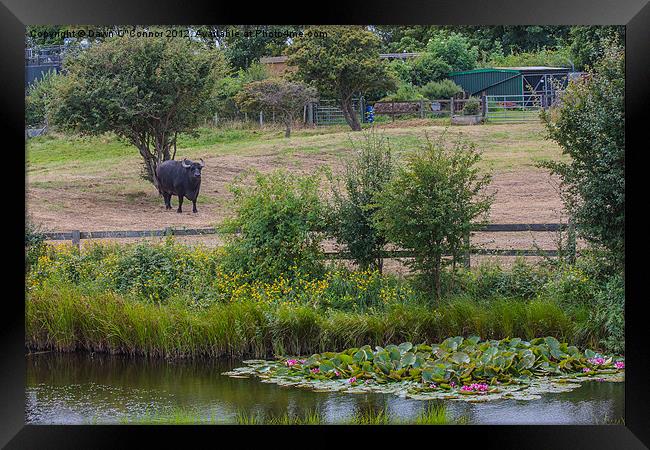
(512, 80)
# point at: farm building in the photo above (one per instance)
(539, 80)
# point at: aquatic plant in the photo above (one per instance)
(453, 368)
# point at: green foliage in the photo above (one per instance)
(588, 44)
(276, 218)
(276, 95)
(354, 209)
(426, 68)
(37, 102)
(544, 57)
(457, 366)
(255, 41)
(405, 92)
(472, 107)
(435, 90)
(144, 90)
(34, 243)
(329, 58)
(455, 50)
(609, 314)
(430, 204)
(588, 124)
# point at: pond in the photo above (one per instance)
(80, 388)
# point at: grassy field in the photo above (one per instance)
(93, 183)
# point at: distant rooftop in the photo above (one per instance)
(533, 68)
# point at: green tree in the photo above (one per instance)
(440, 89)
(588, 124)
(278, 218)
(431, 203)
(455, 50)
(285, 98)
(354, 207)
(255, 41)
(144, 90)
(341, 62)
(588, 43)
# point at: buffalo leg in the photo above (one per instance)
(168, 201)
(194, 210)
(180, 204)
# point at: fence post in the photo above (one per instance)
(421, 109)
(76, 239)
(451, 107)
(468, 253)
(261, 119)
(484, 105)
(571, 241)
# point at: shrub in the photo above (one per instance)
(440, 89)
(405, 92)
(455, 50)
(588, 124)
(429, 206)
(278, 219)
(37, 101)
(353, 211)
(472, 107)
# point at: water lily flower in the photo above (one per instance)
(315, 370)
(452, 384)
(352, 380)
(433, 385)
(291, 362)
(303, 361)
(586, 369)
(619, 365)
(337, 373)
(597, 361)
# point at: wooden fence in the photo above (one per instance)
(76, 236)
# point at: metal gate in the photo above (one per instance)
(515, 108)
(329, 113)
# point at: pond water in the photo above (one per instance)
(79, 388)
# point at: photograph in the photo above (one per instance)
(325, 224)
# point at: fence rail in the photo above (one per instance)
(76, 236)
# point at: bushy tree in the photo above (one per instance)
(341, 62)
(588, 124)
(37, 102)
(255, 41)
(282, 97)
(144, 90)
(587, 43)
(278, 219)
(455, 50)
(430, 204)
(354, 206)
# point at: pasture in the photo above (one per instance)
(94, 183)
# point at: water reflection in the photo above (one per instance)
(81, 388)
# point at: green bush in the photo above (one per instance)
(472, 107)
(37, 102)
(278, 219)
(34, 244)
(353, 210)
(431, 203)
(435, 90)
(406, 92)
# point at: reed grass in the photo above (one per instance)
(65, 318)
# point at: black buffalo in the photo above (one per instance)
(182, 178)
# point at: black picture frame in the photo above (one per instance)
(15, 14)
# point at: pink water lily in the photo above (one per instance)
(475, 387)
(303, 361)
(586, 369)
(597, 361)
(433, 385)
(352, 380)
(315, 370)
(337, 373)
(291, 362)
(452, 384)
(619, 365)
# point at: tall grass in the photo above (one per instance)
(64, 318)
